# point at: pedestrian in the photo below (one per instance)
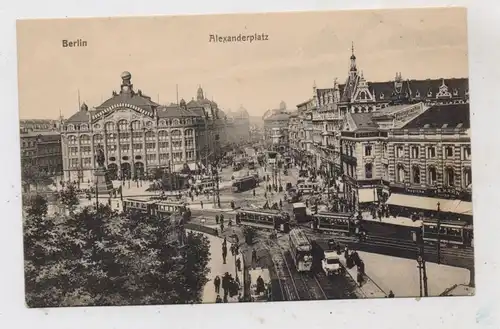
(224, 243)
(281, 204)
(221, 218)
(231, 248)
(218, 299)
(307, 203)
(217, 219)
(221, 226)
(238, 264)
(224, 255)
(360, 278)
(254, 192)
(217, 284)
(254, 256)
(391, 294)
(201, 204)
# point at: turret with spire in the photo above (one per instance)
(199, 94)
(353, 67)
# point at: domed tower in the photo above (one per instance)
(199, 94)
(282, 106)
(127, 87)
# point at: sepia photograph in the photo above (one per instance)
(240, 158)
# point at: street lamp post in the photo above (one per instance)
(418, 238)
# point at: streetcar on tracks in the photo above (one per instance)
(160, 208)
(260, 285)
(300, 213)
(244, 184)
(300, 250)
(264, 218)
(341, 223)
(448, 232)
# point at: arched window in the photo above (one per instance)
(400, 173)
(163, 123)
(176, 133)
(109, 126)
(136, 125)
(98, 139)
(71, 127)
(123, 125)
(362, 95)
(415, 152)
(431, 175)
(84, 139)
(467, 180)
(175, 122)
(188, 132)
(368, 170)
(189, 121)
(150, 135)
(84, 127)
(415, 173)
(162, 135)
(72, 140)
(449, 177)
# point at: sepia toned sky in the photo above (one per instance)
(163, 51)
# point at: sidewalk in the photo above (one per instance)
(369, 288)
(218, 268)
(404, 221)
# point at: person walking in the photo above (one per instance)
(254, 192)
(254, 256)
(391, 294)
(217, 284)
(201, 204)
(218, 299)
(217, 219)
(224, 254)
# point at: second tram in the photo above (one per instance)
(447, 232)
(343, 223)
(266, 218)
(301, 250)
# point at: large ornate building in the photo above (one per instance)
(138, 135)
(414, 152)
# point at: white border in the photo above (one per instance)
(394, 313)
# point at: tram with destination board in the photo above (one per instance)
(343, 223)
(244, 184)
(264, 218)
(260, 285)
(447, 232)
(301, 250)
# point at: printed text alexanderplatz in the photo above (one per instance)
(215, 38)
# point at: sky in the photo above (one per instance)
(162, 52)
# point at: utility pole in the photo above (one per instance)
(439, 233)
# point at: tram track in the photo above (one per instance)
(287, 284)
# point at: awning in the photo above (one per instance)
(178, 167)
(192, 166)
(421, 202)
(461, 207)
(367, 195)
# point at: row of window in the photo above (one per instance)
(162, 134)
(431, 152)
(86, 162)
(125, 125)
(449, 177)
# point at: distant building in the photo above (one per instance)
(41, 145)
(276, 128)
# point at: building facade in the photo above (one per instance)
(420, 155)
(276, 129)
(138, 135)
(41, 145)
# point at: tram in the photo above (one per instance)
(447, 232)
(301, 250)
(264, 218)
(259, 292)
(244, 184)
(160, 208)
(342, 223)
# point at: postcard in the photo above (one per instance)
(246, 157)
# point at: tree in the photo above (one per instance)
(68, 196)
(37, 206)
(32, 175)
(105, 258)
